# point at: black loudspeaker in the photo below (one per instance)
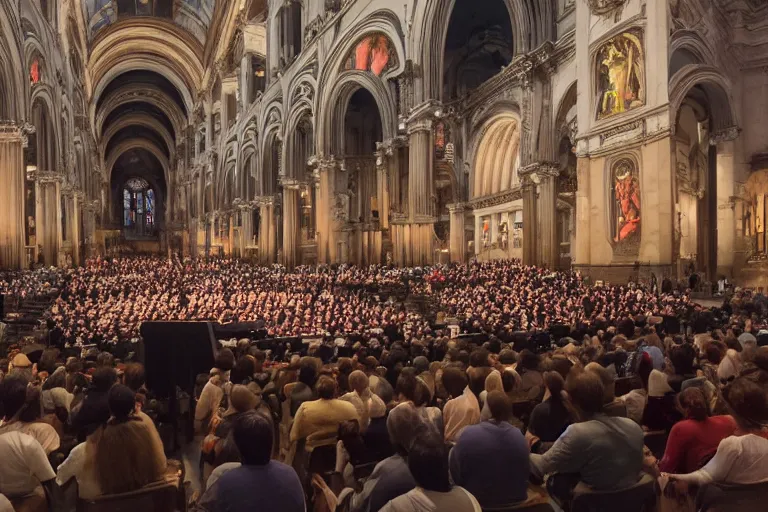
(174, 353)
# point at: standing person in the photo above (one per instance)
(462, 409)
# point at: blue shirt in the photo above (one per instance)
(491, 461)
(272, 487)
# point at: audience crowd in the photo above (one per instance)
(552, 389)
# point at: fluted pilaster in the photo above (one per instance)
(12, 177)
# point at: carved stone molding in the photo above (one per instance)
(603, 7)
(44, 177)
(10, 131)
(289, 183)
(457, 208)
(724, 135)
(496, 199)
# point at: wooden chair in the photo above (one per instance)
(640, 497)
(157, 497)
(725, 498)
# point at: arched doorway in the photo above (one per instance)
(139, 195)
(478, 44)
(498, 217)
(362, 130)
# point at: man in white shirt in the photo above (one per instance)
(25, 467)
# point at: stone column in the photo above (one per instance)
(12, 194)
(550, 250)
(530, 239)
(49, 208)
(458, 244)
(382, 188)
(290, 222)
(420, 194)
(726, 223)
(326, 175)
(267, 231)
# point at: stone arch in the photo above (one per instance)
(495, 170)
(129, 144)
(42, 116)
(144, 120)
(12, 85)
(136, 93)
(715, 85)
(534, 18)
(687, 47)
(329, 136)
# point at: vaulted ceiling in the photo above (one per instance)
(194, 16)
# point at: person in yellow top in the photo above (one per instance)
(322, 416)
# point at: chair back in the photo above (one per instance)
(640, 497)
(725, 498)
(624, 385)
(157, 497)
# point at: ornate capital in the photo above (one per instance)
(289, 183)
(724, 135)
(457, 208)
(44, 177)
(11, 132)
(603, 7)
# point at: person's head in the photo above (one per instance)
(428, 461)
(606, 377)
(454, 381)
(555, 384)
(105, 359)
(122, 402)
(225, 360)
(507, 357)
(402, 424)
(747, 400)
(528, 360)
(241, 399)
(479, 358)
(326, 387)
(259, 357)
(693, 404)
(243, 370)
(586, 393)
(682, 358)
(13, 394)
(500, 405)
(308, 374)
(134, 376)
(714, 351)
(421, 364)
(253, 436)
(358, 381)
(103, 378)
(33, 407)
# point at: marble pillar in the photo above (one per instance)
(12, 177)
(49, 215)
(290, 223)
(726, 219)
(550, 250)
(267, 231)
(419, 237)
(530, 240)
(458, 242)
(325, 177)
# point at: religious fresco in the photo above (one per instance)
(620, 65)
(374, 53)
(625, 208)
(193, 15)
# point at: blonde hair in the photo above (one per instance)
(125, 456)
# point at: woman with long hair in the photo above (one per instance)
(126, 453)
(694, 440)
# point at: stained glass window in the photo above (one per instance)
(127, 218)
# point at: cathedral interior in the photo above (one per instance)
(619, 138)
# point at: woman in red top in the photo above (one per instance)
(693, 441)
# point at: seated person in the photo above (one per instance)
(25, 470)
(391, 477)
(128, 437)
(604, 452)
(323, 415)
(490, 459)
(741, 458)
(463, 409)
(550, 418)
(259, 482)
(428, 463)
(23, 409)
(693, 441)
